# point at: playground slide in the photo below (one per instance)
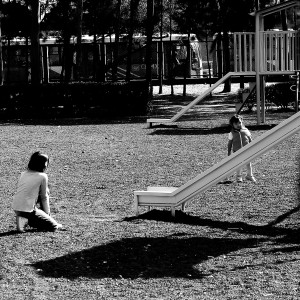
(198, 99)
(173, 197)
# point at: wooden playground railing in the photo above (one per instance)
(244, 51)
(279, 51)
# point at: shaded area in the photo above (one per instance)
(27, 230)
(172, 99)
(175, 255)
(203, 131)
(241, 227)
(283, 244)
(9, 233)
(284, 216)
(191, 131)
(170, 256)
(168, 105)
(74, 121)
(180, 99)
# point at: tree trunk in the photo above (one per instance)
(133, 8)
(101, 64)
(77, 71)
(67, 51)
(101, 70)
(283, 18)
(149, 30)
(67, 59)
(257, 5)
(27, 63)
(35, 43)
(116, 44)
(1, 57)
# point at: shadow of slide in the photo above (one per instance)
(170, 256)
(9, 233)
(240, 227)
(202, 131)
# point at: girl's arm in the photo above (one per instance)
(44, 195)
(248, 133)
(229, 146)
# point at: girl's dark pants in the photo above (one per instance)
(39, 219)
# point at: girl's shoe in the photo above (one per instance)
(21, 223)
(59, 226)
(251, 178)
(239, 179)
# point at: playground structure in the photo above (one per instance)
(257, 55)
(273, 53)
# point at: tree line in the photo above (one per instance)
(35, 19)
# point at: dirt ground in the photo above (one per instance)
(219, 248)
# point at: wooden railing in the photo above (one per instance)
(244, 51)
(279, 51)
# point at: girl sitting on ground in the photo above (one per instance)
(32, 190)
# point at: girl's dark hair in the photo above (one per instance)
(37, 162)
(234, 119)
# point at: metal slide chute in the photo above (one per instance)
(199, 98)
(173, 197)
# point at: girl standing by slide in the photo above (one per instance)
(238, 137)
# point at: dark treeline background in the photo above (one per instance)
(34, 19)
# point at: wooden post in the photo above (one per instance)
(297, 91)
(263, 99)
(173, 211)
(136, 206)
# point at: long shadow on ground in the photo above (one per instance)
(240, 227)
(170, 130)
(9, 233)
(170, 256)
(173, 255)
